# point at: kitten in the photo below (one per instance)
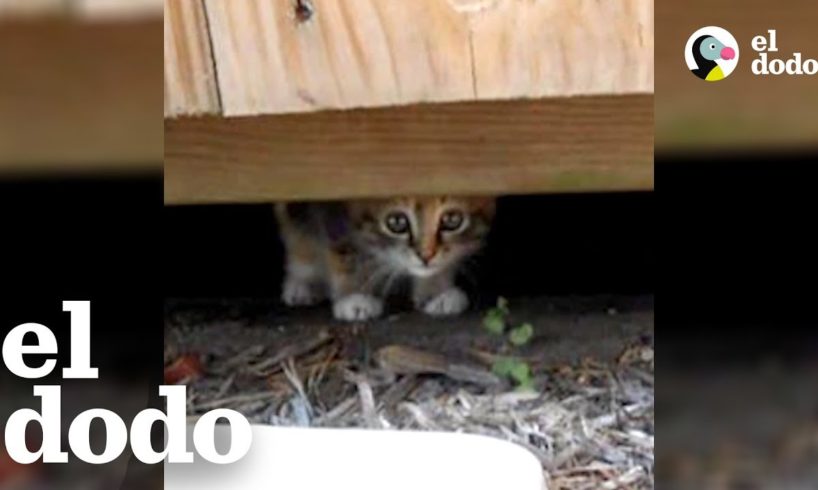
(352, 252)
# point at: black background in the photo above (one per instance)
(737, 265)
(96, 239)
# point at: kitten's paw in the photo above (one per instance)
(298, 292)
(452, 301)
(357, 307)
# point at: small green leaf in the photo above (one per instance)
(521, 335)
(503, 366)
(520, 372)
(495, 319)
(494, 322)
(516, 370)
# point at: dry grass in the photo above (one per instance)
(591, 423)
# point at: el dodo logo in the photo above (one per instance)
(16, 352)
(711, 53)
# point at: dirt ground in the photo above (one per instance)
(566, 329)
(588, 414)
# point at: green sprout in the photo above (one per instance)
(521, 335)
(516, 370)
(495, 319)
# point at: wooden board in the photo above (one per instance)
(274, 56)
(549, 145)
(563, 48)
(353, 53)
(190, 84)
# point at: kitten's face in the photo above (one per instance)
(422, 236)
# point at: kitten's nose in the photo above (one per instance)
(426, 251)
(426, 256)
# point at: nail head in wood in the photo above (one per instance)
(303, 10)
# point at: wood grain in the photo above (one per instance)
(549, 145)
(581, 47)
(190, 83)
(272, 58)
(354, 53)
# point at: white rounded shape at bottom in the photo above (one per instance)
(352, 459)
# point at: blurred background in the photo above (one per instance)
(80, 86)
(744, 112)
(736, 404)
(80, 202)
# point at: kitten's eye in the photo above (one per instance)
(397, 223)
(452, 220)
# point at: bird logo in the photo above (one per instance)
(711, 53)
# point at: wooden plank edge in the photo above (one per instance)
(579, 144)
